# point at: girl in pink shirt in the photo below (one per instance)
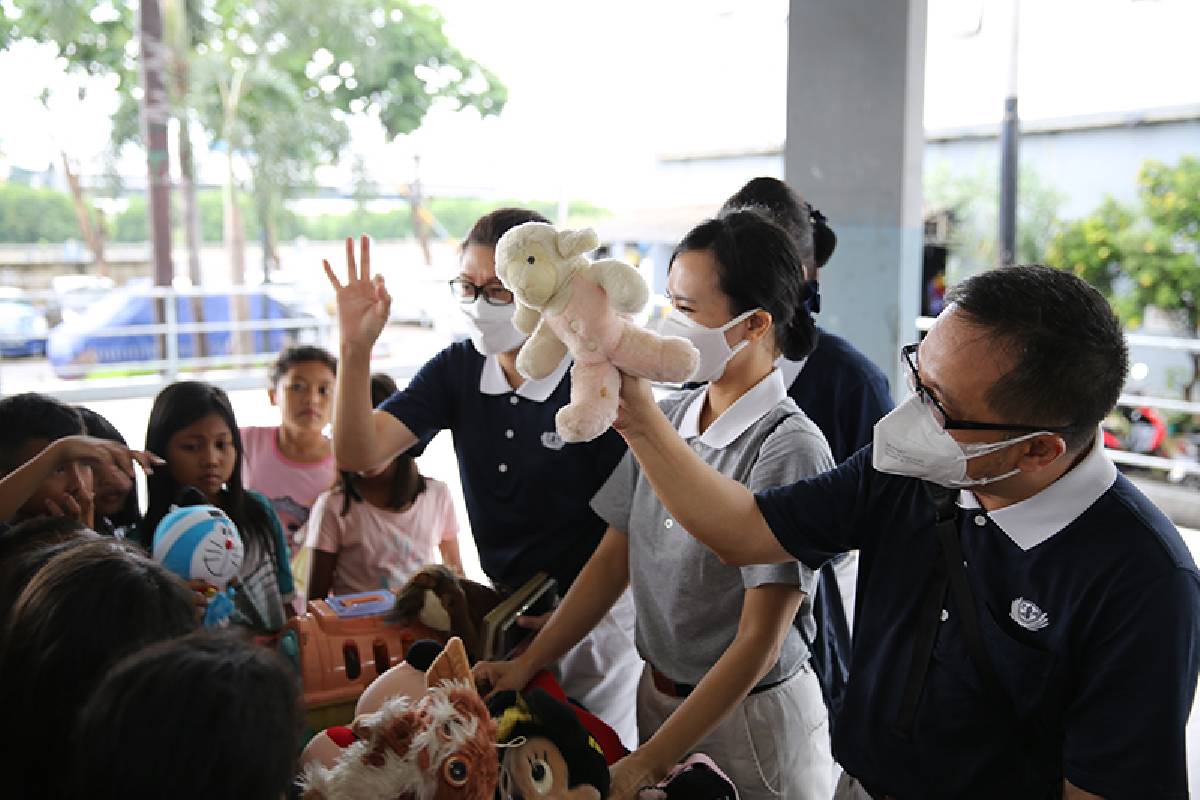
(293, 463)
(378, 527)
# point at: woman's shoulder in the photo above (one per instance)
(785, 425)
(677, 401)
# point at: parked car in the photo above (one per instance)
(83, 344)
(23, 327)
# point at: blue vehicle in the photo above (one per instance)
(22, 328)
(84, 344)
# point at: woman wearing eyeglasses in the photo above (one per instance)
(527, 495)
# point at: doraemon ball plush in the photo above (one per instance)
(201, 542)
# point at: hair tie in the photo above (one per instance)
(814, 215)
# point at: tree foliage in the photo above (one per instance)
(1147, 254)
(973, 200)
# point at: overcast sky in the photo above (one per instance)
(597, 90)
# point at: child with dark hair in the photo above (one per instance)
(86, 608)
(47, 463)
(28, 545)
(115, 494)
(192, 426)
(292, 463)
(202, 716)
(29, 423)
(379, 526)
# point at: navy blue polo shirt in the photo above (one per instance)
(527, 494)
(842, 391)
(1089, 604)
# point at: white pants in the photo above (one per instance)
(602, 671)
(775, 744)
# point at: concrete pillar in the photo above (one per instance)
(856, 71)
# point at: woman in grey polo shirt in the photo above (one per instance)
(727, 674)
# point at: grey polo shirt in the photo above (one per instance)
(688, 602)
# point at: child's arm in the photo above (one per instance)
(767, 615)
(20, 484)
(324, 540)
(451, 556)
(320, 574)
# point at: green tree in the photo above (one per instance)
(29, 215)
(1145, 256)
(974, 200)
(93, 41)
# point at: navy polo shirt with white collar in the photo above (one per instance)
(1089, 605)
(527, 493)
(841, 390)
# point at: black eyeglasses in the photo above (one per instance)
(494, 294)
(909, 354)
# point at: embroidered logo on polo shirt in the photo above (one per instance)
(1027, 614)
(552, 441)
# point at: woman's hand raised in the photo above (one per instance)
(363, 303)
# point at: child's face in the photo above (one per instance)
(305, 396)
(112, 487)
(73, 478)
(203, 455)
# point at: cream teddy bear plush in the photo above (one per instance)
(568, 303)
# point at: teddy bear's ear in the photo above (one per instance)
(576, 243)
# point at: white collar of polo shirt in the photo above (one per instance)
(790, 369)
(1036, 519)
(745, 411)
(492, 380)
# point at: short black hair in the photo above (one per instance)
(96, 425)
(758, 267)
(205, 715)
(814, 238)
(301, 354)
(488, 229)
(1069, 358)
(89, 606)
(33, 415)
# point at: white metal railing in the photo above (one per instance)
(156, 352)
(1177, 467)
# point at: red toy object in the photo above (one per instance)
(339, 656)
(605, 736)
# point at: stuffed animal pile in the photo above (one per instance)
(570, 304)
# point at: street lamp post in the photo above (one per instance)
(1010, 135)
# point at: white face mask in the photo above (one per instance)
(715, 352)
(491, 326)
(909, 441)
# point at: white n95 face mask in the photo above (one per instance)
(492, 330)
(909, 441)
(715, 352)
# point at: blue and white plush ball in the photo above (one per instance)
(199, 542)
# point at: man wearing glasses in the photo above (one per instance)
(527, 495)
(1033, 632)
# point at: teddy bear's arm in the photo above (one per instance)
(627, 291)
(541, 353)
(525, 319)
